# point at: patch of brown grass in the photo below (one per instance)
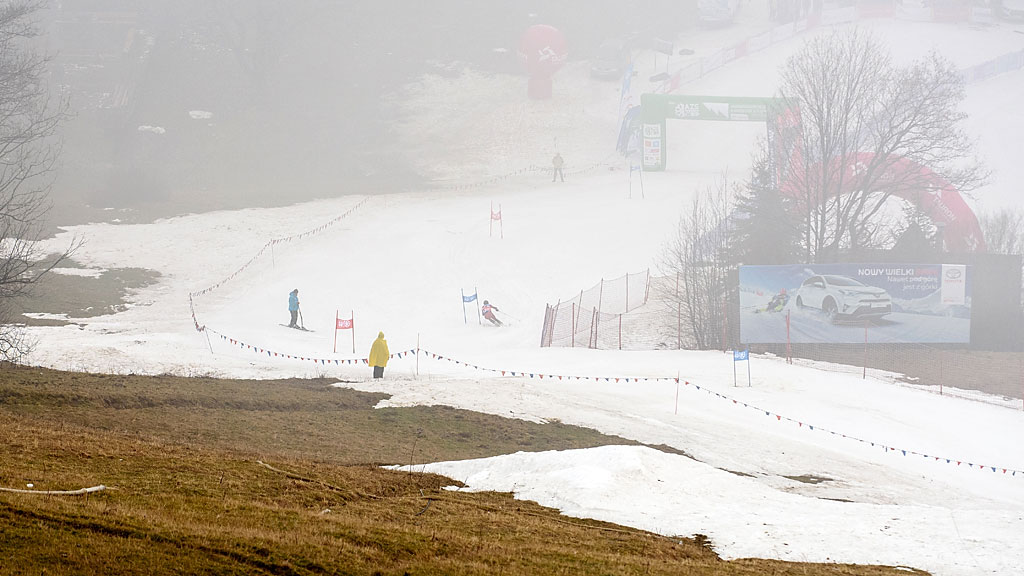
(188, 495)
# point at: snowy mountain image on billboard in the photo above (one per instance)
(844, 303)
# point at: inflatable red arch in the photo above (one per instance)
(935, 196)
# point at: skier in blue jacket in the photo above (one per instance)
(293, 307)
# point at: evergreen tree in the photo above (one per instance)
(764, 229)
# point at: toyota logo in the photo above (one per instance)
(953, 274)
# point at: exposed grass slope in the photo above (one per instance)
(281, 477)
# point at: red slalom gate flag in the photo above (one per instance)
(496, 216)
(345, 324)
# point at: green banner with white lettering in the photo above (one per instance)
(658, 108)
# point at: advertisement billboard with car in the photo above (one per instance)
(835, 303)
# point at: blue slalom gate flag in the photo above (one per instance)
(740, 356)
(469, 298)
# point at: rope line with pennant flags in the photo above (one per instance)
(269, 246)
(887, 448)
(877, 444)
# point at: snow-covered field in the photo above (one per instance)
(800, 465)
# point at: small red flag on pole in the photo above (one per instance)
(344, 324)
(496, 216)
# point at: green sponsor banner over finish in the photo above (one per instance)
(657, 108)
(741, 109)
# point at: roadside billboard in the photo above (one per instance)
(834, 303)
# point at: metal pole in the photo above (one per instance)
(477, 292)
(940, 374)
(789, 350)
(577, 318)
(647, 286)
(572, 332)
(864, 376)
(335, 330)
(677, 394)
(463, 294)
(679, 317)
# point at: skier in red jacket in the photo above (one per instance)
(488, 312)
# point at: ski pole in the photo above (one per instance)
(509, 315)
(301, 323)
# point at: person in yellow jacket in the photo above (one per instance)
(379, 355)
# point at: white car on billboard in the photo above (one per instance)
(843, 298)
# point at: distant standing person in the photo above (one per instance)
(557, 164)
(379, 355)
(293, 307)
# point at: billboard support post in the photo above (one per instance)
(789, 350)
(864, 376)
(940, 375)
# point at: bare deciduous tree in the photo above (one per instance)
(28, 119)
(697, 256)
(1004, 230)
(864, 129)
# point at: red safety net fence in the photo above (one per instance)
(610, 315)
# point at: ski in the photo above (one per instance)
(303, 328)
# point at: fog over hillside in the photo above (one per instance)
(186, 105)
